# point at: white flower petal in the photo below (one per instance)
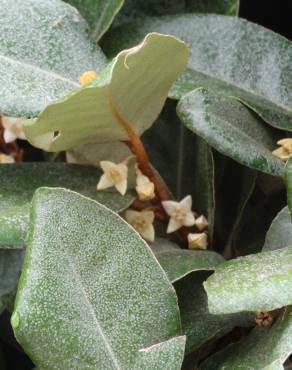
(173, 225)
(186, 203)
(9, 136)
(104, 183)
(148, 216)
(189, 219)
(107, 165)
(169, 206)
(121, 187)
(149, 233)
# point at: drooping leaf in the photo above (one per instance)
(132, 88)
(178, 263)
(184, 161)
(134, 9)
(44, 47)
(288, 182)
(263, 348)
(10, 265)
(98, 13)
(279, 234)
(198, 324)
(91, 293)
(259, 282)
(18, 183)
(230, 55)
(232, 129)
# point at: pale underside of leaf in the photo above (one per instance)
(229, 55)
(133, 88)
(91, 293)
(44, 47)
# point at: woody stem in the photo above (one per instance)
(138, 149)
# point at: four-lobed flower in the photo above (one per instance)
(13, 129)
(114, 175)
(142, 222)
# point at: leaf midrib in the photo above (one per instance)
(44, 71)
(77, 277)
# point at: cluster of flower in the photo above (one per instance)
(13, 130)
(180, 213)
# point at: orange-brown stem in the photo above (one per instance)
(138, 149)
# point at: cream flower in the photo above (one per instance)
(87, 77)
(201, 223)
(13, 129)
(144, 188)
(6, 158)
(180, 213)
(114, 175)
(285, 149)
(198, 241)
(142, 222)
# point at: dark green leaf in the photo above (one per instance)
(231, 128)
(259, 282)
(198, 324)
(98, 13)
(178, 262)
(18, 183)
(279, 234)
(91, 293)
(288, 182)
(134, 9)
(230, 55)
(10, 265)
(263, 349)
(44, 47)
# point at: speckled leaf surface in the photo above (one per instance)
(259, 282)
(92, 291)
(228, 54)
(134, 9)
(198, 324)
(10, 265)
(232, 129)
(18, 183)
(134, 86)
(288, 182)
(279, 234)
(262, 349)
(98, 13)
(178, 262)
(44, 47)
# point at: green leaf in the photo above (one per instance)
(288, 182)
(229, 55)
(98, 13)
(259, 282)
(134, 9)
(186, 164)
(233, 130)
(279, 234)
(89, 115)
(198, 324)
(10, 265)
(91, 293)
(263, 348)
(178, 262)
(19, 182)
(44, 47)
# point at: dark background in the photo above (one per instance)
(273, 14)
